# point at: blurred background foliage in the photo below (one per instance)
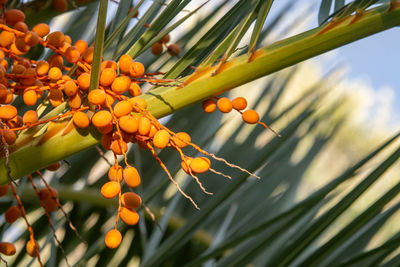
(324, 197)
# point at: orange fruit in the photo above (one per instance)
(97, 97)
(239, 103)
(81, 46)
(72, 54)
(131, 176)
(121, 84)
(41, 29)
(224, 105)
(12, 214)
(107, 76)
(21, 26)
(119, 147)
(70, 88)
(102, 118)
(30, 116)
(55, 73)
(30, 97)
(125, 62)
(181, 139)
(56, 39)
(8, 112)
(200, 165)
(209, 105)
(122, 108)
(7, 249)
(128, 216)
(10, 136)
(131, 200)
(136, 70)
(31, 38)
(6, 38)
(42, 68)
(32, 248)
(81, 120)
(88, 55)
(115, 173)
(113, 238)
(174, 49)
(134, 89)
(13, 16)
(129, 124)
(110, 189)
(84, 81)
(250, 116)
(161, 139)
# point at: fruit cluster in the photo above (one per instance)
(113, 108)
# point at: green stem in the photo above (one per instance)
(163, 101)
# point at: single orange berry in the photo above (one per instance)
(224, 105)
(30, 116)
(129, 124)
(107, 76)
(108, 64)
(72, 54)
(70, 88)
(88, 55)
(8, 112)
(13, 16)
(128, 216)
(131, 200)
(139, 102)
(200, 165)
(239, 103)
(6, 38)
(161, 139)
(115, 173)
(55, 73)
(136, 70)
(119, 147)
(123, 108)
(134, 89)
(48, 192)
(113, 238)
(185, 164)
(56, 39)
(41, 29)
(12, 214)
(81, 46)
(102, 118)
(32, 248)
(75, 101)
(165, 39)
(42, 68)
(30, 97)
(121, 84)
(110, 189)
(144, 126)
(153, 131)
(131, 176)
(209, 105)
(10, 136)
(106, 140)
(7, 249)
(250, 116)
(125, 62)
(21, 26)
(56, 97)
(81, 120)
(50, 204)
(97, 97)
(181, 139)
(84, 81)
(31, 38)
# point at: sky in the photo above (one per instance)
(374, 59)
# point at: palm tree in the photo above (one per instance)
(265, 222)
